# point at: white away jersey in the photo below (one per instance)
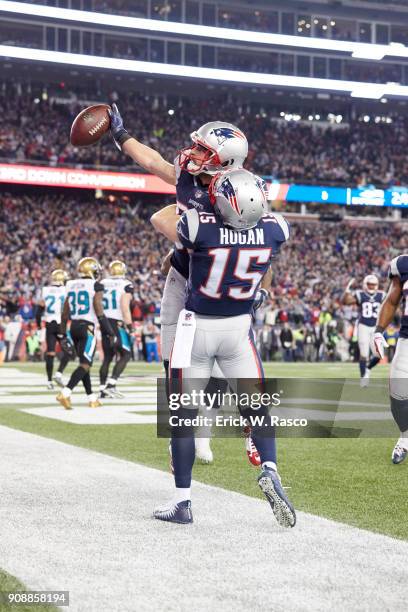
(54, 297)
(113, 289)
(80, 295)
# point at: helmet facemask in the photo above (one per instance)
(209, 164)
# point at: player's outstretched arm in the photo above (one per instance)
(165, 221)
(386, 316)
(143, 155)
(348, 298)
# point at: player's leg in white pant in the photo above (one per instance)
(364, 334)
(399, 398)
(172, 303)
(203, 450)
(182, 441)
(239, 359)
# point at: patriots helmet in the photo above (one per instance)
(370, 284)
(239, 198)
(89, 267)
(225, 147)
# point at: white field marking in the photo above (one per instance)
(85, 526)
(104, 415)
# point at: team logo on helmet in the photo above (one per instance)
(223, 133)
(227, 190)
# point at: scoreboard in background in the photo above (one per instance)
(146, 183)
(368, 196)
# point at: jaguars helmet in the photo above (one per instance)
(117, 268)
(239, 198)
(88, 267)
(370, 284)
(59, 277)
(226, 148)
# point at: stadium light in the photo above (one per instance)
(358, 50)
(355, 88)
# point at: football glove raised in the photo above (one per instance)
(117, 130)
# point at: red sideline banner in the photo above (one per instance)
(85, 179)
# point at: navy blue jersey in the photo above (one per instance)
(369, 306)
(190, 194)
(399, 267)
(227, 266)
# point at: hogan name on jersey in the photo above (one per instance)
(251, 236)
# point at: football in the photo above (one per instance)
(90, 125)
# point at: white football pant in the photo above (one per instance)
(399, 371)
(364, 335)
(227, 340)
(173, 301)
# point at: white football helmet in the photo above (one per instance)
(370, 284)
(239, 198)
(227, 147)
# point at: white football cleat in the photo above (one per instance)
(50, 385)
(364, 380)
(58, 379)
(400, 452)
(203, 450)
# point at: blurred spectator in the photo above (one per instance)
(33, 346)
(150, 335)
(286, 338)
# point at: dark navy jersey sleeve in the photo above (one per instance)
(398, 267)
(191, 195)
(129, 288)
(187, 228)
(357, 295)
(279, 230)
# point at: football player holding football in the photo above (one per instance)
(368, 300)
(397, 294)
(84, 306)
(231, 248)
(49, 309)
(216, 146)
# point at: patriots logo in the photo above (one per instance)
(224, 133)
(228, 192)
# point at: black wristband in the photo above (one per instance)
(379, 329)
(122, 137)
(105, 326)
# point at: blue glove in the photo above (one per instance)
(118, 132)
(260, 297)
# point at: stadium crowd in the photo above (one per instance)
(357, 152)
(309, 275)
